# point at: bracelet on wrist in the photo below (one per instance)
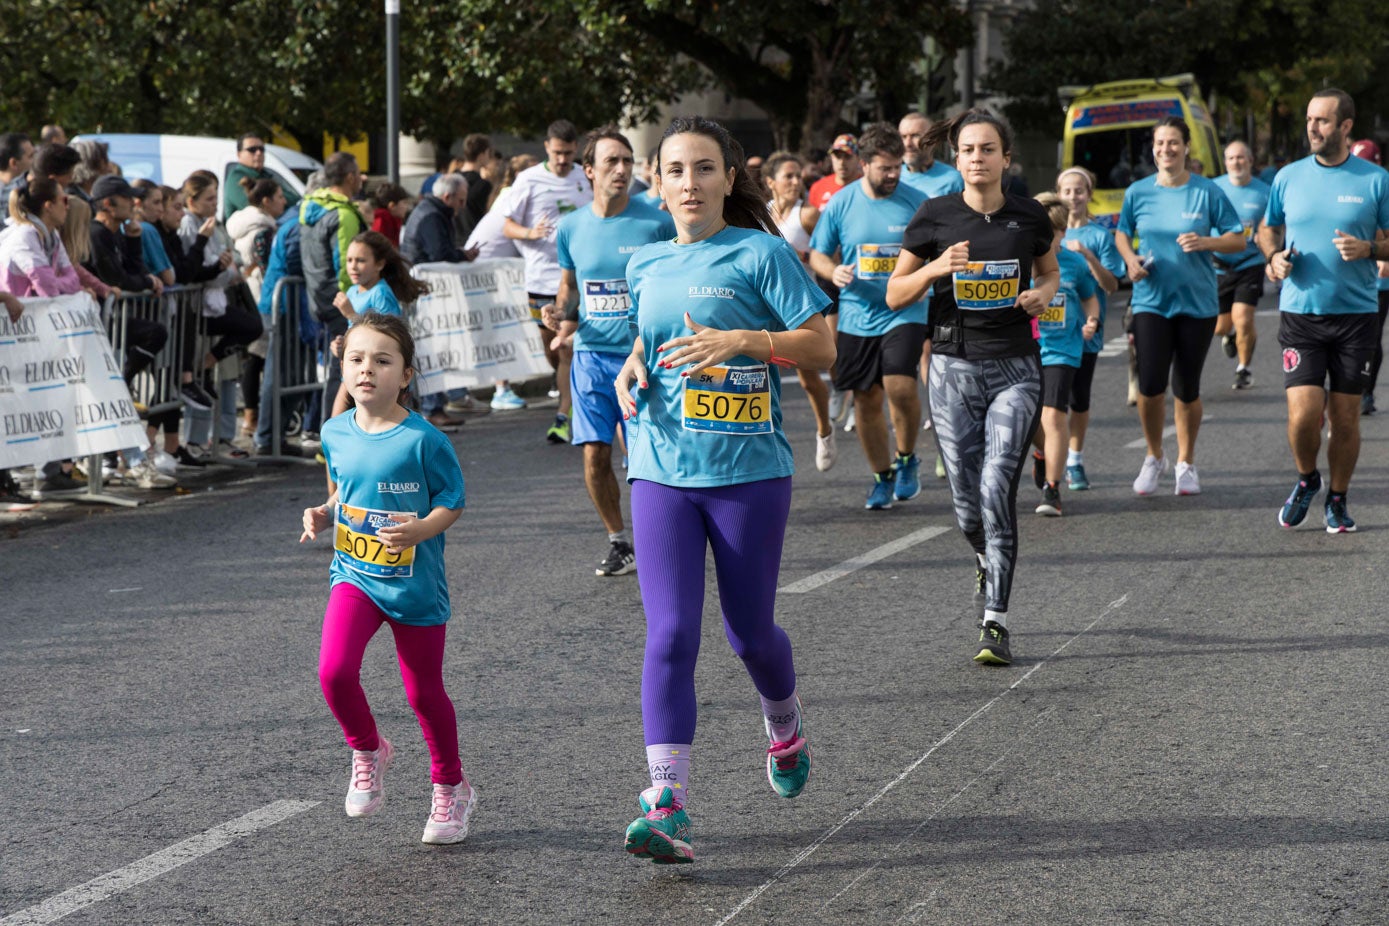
(771, 352)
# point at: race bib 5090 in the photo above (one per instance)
(987, 284)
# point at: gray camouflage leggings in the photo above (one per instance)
(985, 412)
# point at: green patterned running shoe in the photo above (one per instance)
(662, 832)
(788, 763)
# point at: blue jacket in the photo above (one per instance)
(428, 235)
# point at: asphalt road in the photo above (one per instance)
(1192, 731)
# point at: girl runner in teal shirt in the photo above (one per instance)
(718, 309)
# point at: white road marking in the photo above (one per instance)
(152, 866)
(1167, 432)
(112, 591)
(825, 577)
(850, 817)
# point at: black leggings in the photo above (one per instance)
(1177, 345)
(238, 327)
(1379, 341)
(143, 340)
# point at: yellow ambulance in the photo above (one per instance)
(1109, 130)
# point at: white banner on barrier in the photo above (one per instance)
(61, 391)
(474, 326)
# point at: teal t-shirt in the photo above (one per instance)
(1180, 283)
(597, 250)
(1313, 201)
(379, 298)
(1059, 327)
(940, 179)
(721, 426)
(412, 468)
(1100, 241)
(867, 233)
(1250, 202)
(152, 249)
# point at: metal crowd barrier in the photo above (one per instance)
(293, 363)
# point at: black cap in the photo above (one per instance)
(111, 185)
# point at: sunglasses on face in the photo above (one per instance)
(255, 149)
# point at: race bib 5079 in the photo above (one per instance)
(361, 550)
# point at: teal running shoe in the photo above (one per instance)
(880, 496)
(788, 763)
(906, 480)
(1076, 479)
(662, 833)
(1338, 520)
(1294, 510)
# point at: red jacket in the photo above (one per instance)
(387, 224)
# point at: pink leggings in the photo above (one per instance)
(350, 622)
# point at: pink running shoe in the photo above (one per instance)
(448, 814)
(366, 791)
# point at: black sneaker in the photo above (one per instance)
(1243, 380)
(1051, 501)
(1039, 470)
(1230, 345)
(194, 397)
(60, 482)
(9, 489)
(184, 457)
(993, 645)
(621, 559)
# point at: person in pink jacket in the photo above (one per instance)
(33, 261)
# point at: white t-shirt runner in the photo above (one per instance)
(538, 193)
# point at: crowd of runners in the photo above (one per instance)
(672, 312)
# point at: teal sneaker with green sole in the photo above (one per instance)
(788, 763)
(662, 833)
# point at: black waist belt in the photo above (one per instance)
(957, 333)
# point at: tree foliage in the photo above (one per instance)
(317, 66)
(1249, 52)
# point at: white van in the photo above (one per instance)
(169, 159)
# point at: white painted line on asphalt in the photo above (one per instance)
(853, 814)
(152, 866)
(1167, 432)
(825, 577)
(112, 591)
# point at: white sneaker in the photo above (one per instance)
(1188, 483)
(1148, 476)
(366, 790)
(507, 400)
(449, 813)
(927, 425)
(146, 476)
(826, 450)
(851, 421)
(840, 401)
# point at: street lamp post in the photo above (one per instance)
(393, 90)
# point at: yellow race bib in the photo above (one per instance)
(987, 284)
(361, 550)
(877, 261)
(1053, 317)
(733, 400)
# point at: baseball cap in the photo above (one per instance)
(845, 142)
(1367, 149)
(111, 185)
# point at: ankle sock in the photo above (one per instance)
(783, 717)
(669, 766)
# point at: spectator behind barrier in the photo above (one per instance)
(253, 231)
(77, 241)
(429, 233)
(116, 254)
(94, 164)
(16, 157)
(392, 206)
(488, 238)
(33, 261)
(250, 166)
(149, 209)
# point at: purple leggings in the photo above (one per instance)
(350, 622)
(745, 524)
